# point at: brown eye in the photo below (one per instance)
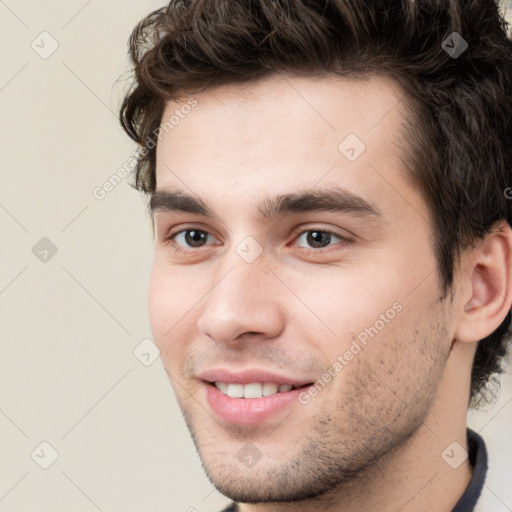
(318, 238)
(190, 238)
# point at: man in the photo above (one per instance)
(331, 283)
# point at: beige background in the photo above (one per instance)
(68, 373)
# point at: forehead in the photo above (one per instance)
(283, 109)
(282, 131)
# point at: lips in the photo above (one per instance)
(248, 403)
(246, 411)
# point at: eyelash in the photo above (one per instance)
(180, 250)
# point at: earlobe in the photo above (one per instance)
(487, 277)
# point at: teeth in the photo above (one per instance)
(235, 390)
(253, 390)
(269, 389)
(222, 386)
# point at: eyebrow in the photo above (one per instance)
(338, 200)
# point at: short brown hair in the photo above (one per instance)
(459, 153)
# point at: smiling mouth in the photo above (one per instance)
(251, 403)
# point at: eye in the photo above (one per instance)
(320, 238)
(191, 238)
(310, 240)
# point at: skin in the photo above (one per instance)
(372, 438)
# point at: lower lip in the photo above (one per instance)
(246, 411)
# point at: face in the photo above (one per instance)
(300, 257)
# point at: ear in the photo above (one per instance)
(486, 282)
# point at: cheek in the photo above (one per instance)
(345, 305)
(369, 314)
(158, 302)
(167, 298)
(167, 330)
(174, 304)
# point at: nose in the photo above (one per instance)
(243, 303)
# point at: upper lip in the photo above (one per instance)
(249, 376)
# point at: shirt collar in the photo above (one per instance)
(477, 454)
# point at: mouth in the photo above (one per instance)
(252, 403)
